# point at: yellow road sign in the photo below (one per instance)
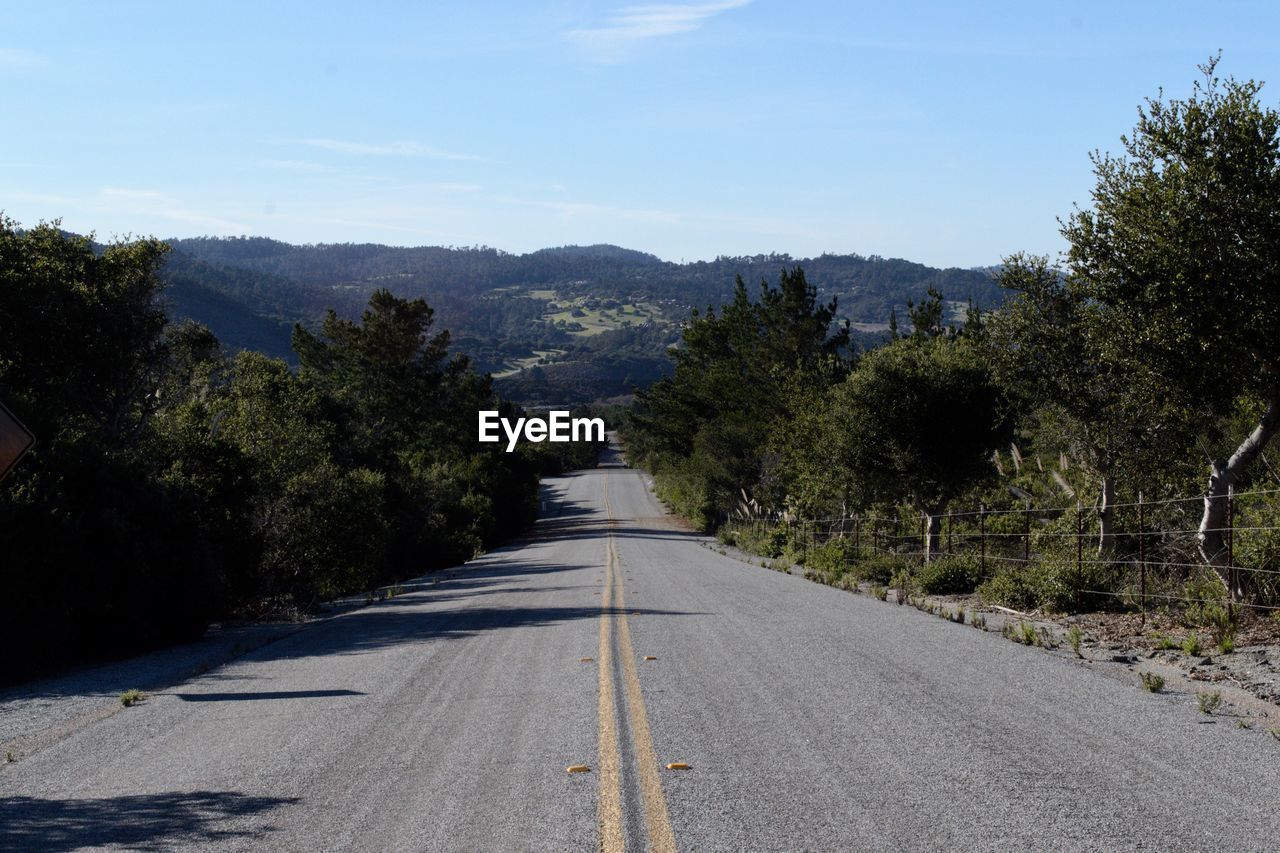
(15, 440)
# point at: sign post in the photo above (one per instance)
(15, 440)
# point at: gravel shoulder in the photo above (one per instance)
(1117, 645)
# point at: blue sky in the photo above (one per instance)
(942, 132)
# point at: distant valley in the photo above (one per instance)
(558, 326)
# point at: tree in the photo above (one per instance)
(1183, 246)
(918, 421)
(704, 429)
(927, 316)
(99, 551)
(1051, 346)
(406, 409)
(386, 372)
(81, 330)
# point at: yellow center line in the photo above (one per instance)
(657, 820)
(610, 808)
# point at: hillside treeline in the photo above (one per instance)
(173, 484)
(278, 276)
(251, 290)
(1145, 366)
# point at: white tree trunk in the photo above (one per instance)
(1106, 514)
(933, 534)
(1223, 475)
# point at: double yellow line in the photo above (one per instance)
(657, 822)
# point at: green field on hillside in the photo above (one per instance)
(516, 365)
(595, 316)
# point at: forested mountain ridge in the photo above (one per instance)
(594, 320)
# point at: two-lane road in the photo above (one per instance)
(809, 719)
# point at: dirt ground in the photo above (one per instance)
(1246, 681)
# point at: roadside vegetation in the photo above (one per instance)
(174, 483)
(1097, 443)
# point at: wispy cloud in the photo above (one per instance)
(150, 203)
(578, 210)
(131, 194)
(300, 166)
(17, 59)
(453, 187)
(634, 24)
(388, 149)
(141, 210)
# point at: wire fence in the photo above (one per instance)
(1150, 551)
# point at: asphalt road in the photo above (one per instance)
(809, 718)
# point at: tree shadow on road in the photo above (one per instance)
(573, 520)
(265, 694)
(622, 529)
(147, 821)
(392, 624)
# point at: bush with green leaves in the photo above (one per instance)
(1259, 548)
(132, 697)
(1022, 587)
(1209, 701)
(685, 492)
(325, 534)
(1053, 583)
(835, 556)
(880, 568)
(951, 575)
(904, 582)
(1074, 637)
(1206, 597)
(766, 541)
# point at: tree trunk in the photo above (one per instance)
(1106, 514)
(933, 534)
(1223, 474)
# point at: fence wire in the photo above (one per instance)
(1145, 539)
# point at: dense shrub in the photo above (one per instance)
(880, 568)
(325, 533)
(834, 556)
(1020, 587)
(686, 493)
(1206, 596)
(1259, 548)
(950, 575)
(173, 484)
(767, 542)
(1055, 584)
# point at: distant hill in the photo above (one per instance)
(559, 325)
(604, 252)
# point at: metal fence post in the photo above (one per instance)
(982, 535)
(1142, 560)
(1231, 551)
(1026, 534)
(924, 549)
(1080, 543)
